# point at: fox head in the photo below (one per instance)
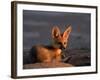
(60, 40)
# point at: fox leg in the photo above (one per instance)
(44, 57)
(47, 61)
(58, 58)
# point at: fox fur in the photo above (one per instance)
(53, 52)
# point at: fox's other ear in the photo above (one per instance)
(67, 32)
(55, 32)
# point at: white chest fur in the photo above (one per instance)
(59, 50)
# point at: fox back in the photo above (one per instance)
(53, 52)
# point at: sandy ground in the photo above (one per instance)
(80, 57)
(46, 65)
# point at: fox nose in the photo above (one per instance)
(62, 47)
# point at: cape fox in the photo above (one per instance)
(53, 52)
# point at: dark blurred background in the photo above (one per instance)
(37, 27)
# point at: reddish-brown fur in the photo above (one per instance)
(52, 53)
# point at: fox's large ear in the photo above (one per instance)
(67, 32)
(55, 32)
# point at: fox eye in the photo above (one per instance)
(65, 42)
(59, 43)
